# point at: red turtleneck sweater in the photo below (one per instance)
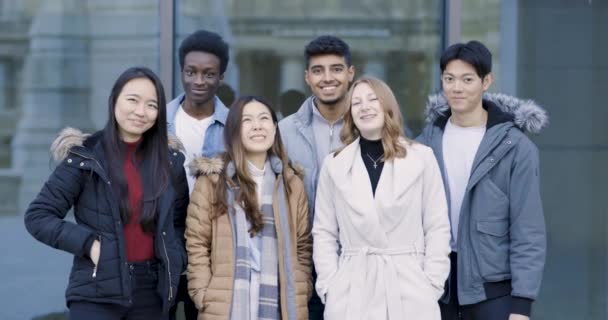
(140, 245)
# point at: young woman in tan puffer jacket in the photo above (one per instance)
(253, 147)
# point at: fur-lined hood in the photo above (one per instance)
(527, 115)
(69, 138)
(204, 166)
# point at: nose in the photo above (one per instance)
(327, 76)
(457, 86)
(139, 110)
(254, 124)
(198, 79)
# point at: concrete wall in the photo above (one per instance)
(562, 52)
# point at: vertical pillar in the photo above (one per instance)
(292, 72)
(55, 90)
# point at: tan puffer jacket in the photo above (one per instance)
(210, 248)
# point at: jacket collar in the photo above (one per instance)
(525, 114)
(89, 145)
(305, 113)
(220, 112)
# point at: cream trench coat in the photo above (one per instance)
(385, 257)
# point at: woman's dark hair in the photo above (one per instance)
(151, 155)
(235, 153)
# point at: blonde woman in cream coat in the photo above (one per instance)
(381, 230)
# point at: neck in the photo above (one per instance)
(331, 113)
(257, 159)
(476, 118)
(199, 111)
(371, 136)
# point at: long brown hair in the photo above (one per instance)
(235, 155)
(392, 131)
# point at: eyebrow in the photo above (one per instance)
(251, 115)
(331, 65)
(462, 75)
(138, 96)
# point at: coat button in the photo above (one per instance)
(164, 234)
(69, 160)
(109, 182)
(491, 159)
(175, 153)
(509, 142)
(82, 164)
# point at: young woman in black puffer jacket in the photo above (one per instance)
(128, 188)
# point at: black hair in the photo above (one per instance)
(152, 153)
(327, 44)
(473, 53)
(206, 41)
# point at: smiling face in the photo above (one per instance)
(136, 109)
(328, 77)
(257, 129)
(367, 113)
(201, 77)
(463, 87)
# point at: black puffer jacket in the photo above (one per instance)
(81, 180)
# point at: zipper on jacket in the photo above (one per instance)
(168, 267)
(95, 267)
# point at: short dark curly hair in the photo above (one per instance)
(327, 44)
(206, 41)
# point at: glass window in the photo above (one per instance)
(58, 62)
(397, 41)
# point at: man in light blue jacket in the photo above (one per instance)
(197, 116)
(490, 172)
(313, 132)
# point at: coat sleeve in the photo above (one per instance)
(424, 136)
(325, 233)
(180, 206)
(527, 228)
(44, 216)
(198, 241)
(436, 225)
(304, 237)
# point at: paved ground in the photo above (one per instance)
(33, 276)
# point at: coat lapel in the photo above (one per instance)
(398, 176)
(352, 181)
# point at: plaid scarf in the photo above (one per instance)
(269, 277)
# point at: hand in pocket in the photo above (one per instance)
(95, 251)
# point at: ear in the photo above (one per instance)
(221, 79)
(487, 81)
(306, 78)
(351, 73)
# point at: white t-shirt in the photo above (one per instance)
(460, 146)
(191, 132)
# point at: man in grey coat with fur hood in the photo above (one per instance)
(490, 173)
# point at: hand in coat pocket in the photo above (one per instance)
(95, 252)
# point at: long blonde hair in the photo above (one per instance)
(392, 131)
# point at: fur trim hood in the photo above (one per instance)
(203, 166)
(527, 115)
(69, 138)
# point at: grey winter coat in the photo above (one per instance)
(501, 234)
(298, 138)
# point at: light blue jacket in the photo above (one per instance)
(501, 234)
(298, 138)
(214, 136)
